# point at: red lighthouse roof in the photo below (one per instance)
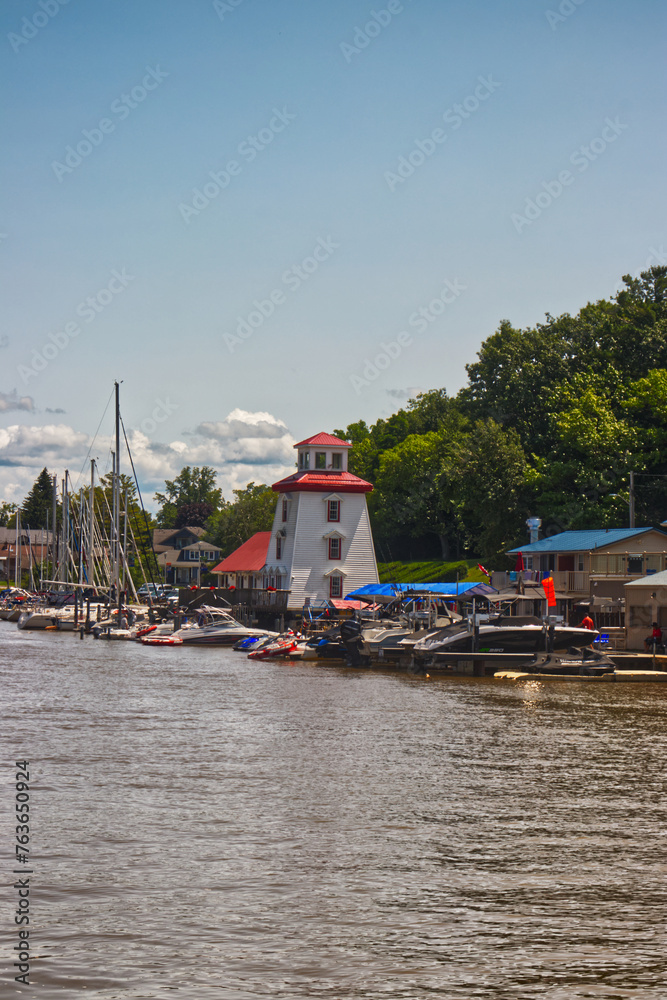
(324, 440)
(322, 482)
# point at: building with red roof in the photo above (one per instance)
(320, 545)
(244, 567)
(321, 532)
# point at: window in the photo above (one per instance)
(336, 460)
(335, 586)
(635, 564)
(279, 547)
(320, 459)
(304, 459)
(334, 548)
(334, 510)
(284, 510)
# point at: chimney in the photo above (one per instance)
(534, 528)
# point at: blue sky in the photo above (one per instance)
(310, 240)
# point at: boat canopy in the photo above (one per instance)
(386, 592)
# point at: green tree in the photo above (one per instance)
(7, 512)
(37, 506)
(412, 494)
(193, 484)
(234, 523)
(488, 486)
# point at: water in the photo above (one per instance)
(204, 825)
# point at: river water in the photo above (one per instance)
(207, 826)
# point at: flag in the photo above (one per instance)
(519, 568)
(484, 571)
(549, 591)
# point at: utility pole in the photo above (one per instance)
(632, 499)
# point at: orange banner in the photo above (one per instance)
(549, 591)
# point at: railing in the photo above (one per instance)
(570, 581)
(627, 563)
(257, 598)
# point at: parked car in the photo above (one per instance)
(153, 590)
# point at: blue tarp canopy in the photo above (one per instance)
(385, 592)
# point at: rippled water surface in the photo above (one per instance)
(208, 826)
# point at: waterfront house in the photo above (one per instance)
(589, 566)
(182, 555)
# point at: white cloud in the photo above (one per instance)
(243, 447)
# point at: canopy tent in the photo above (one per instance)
(386, 592)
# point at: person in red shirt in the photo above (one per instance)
(655, 639)
(588, 622)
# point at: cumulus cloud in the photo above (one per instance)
(12, 401)
(241, 424)
(241, 448)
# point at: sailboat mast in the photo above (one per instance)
(117, 497)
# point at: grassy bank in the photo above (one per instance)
(430, 572)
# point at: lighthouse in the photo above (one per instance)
(321, 543)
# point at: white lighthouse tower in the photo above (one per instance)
(321, 542)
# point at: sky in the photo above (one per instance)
(268, 218)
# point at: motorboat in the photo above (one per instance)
(211, 627)
(505, 634)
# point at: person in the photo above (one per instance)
(655, 639)
(588, 622)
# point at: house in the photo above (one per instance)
(593, 565)
(182, 555)
(645, 603)
(320, 546)
(244, 568)
(34, 548)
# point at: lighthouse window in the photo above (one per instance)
(304, 459)
(279, 547)
(320, 459)
(284, 511)
(335, 586)
(334, 548)
(334, 510)
(336, 460)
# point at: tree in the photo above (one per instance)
(7, 512)
(193, 484)
(37, 506)
(194, 515)
(488, 488)
(412, 494)
(252, 511)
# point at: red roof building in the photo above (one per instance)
(249, 557)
